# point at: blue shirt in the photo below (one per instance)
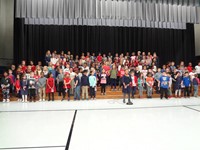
(164, 82)
(186, 81)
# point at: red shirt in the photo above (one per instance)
(67, 86)
(17, 85)
(107, 69)
(189, 68)
(24, 68)
(121, 73)
(149, 81)
(33, 68)
(99, 58)
(134, 80)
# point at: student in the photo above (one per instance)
(84, 84)
(186, 83)
(170, 85)
(149, 83)
(113, 78)
(42, 87)
(164, 85)
(141, 85)
(50, 87)
(157, 78)
(126, 81)
(32, 87)
(12, 81)
(67, 86)
(195, 83)
(60, 81)
(17, 87)
(5, 85)
(24, 88)
(120, 75)
(93, 83)
(77, 87)
(134, 82)
(177, 85)
(103, 82)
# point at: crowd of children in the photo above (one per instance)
(80, 76)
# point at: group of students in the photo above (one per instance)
(163, 85)
(27, 87)
(81, 76)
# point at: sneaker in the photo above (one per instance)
(129, 103)
(8, 100)
(4, 100)
(124, 101)
(43, 100)
(40, 100)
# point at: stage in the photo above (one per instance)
(101, 125)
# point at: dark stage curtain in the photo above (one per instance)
(32, 41)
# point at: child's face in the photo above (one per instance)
(5, 74)
(132, 74)
(32, 74)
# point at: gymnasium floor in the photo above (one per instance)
(101, 125)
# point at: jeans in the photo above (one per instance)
(6, 93)
(195, 90)
(103, 88)
(186, 91)
(140, 90)
(60, 88)
(149, 91)
(133, 90)
(162, 91)
(113, 83)
(92, 92)
(77, 92)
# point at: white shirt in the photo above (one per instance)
(197, 68)
(54, 60)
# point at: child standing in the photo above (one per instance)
(126, 81)
(77, 86)
(113, 77)
(93, 83)
(17, 87)
(164, 85)
(186, 84)
(42, 87)
(50, 87)
(134, 82)
(67, 86)
(149, 83)
(5, 85)
(84, 84)
(24, 88)
(103, 82)
(195, 85)
(32, 87)
(177, 85)
(141, 85)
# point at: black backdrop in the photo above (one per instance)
(32, 41)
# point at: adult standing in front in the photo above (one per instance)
(126, 81)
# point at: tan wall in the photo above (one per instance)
(6, 31)
(197, 39)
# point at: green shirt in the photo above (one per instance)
(113, 74)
